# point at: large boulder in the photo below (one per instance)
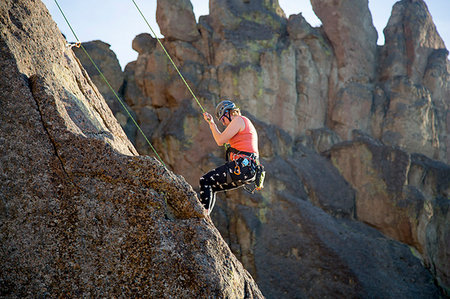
(176, 20)
(81, 214)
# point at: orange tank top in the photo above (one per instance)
(247, 139)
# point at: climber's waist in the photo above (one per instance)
(234, 154)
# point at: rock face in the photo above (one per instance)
(176, 20)
(354, 138)
(417, 114)
(405, 196)
(349, 27)
(107, 62)
(378, 116)
(348, 133)
(82, 215)
(411, 37)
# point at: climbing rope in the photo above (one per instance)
(79, 44)
(168, 56)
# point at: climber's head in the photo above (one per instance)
(226, 109)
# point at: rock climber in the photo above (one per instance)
(242, 154)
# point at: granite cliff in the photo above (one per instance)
(81, 213)
(354, 137)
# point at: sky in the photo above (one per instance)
(117, 22)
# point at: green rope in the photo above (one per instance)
(106, 81)
(165, 51)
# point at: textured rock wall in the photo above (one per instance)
(417, 107)
(403, 195)
(311, 91)
(81, 214)
(107, 62)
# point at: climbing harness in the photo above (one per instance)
(233, 154)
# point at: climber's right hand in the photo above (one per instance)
(208, 117)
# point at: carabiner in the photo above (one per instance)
(237, 170)
(71, 45)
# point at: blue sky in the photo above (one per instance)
(117, 22)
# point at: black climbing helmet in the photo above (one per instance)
(223, 107)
